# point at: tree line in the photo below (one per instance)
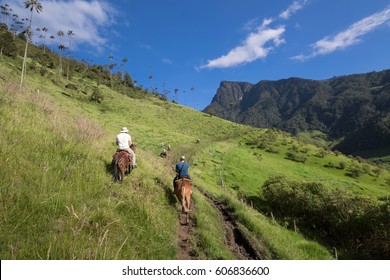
(114, 74)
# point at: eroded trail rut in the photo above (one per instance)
(235, 239)
(186, 236)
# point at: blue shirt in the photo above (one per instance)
(182, 169)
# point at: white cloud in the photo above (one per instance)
(167, 61)
(145, 46)
(257, 45)
(87, 20)
(351, 36)
(293, 8)
(250, 24)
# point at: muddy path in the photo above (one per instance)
(186, 236)
(235, 239)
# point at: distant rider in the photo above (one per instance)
(163, 154)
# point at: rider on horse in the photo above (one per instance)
(123, 140)
(181, 171)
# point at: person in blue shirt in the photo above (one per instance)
(181, 170)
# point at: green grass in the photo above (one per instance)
(210, 239)
(58, 200)
(282, 244)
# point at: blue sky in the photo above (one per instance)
(193, 45)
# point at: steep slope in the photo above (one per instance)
(352, 110)
(228, 95)
(58, 200)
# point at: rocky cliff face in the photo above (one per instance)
(228, 96)
(354, 109)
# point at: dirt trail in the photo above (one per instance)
(186, 237)
(235, 240)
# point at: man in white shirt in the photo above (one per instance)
(123, 140)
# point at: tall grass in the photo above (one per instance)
(283, 244)
(210, 232)
(57, 196)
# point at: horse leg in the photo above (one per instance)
(188, 198)
(123, 170)
(129, 167)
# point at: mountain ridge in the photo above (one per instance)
(341, 107)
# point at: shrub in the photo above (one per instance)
(355, 171)
(360, 225)
(342, 165)
(96, 96)
(320, 154)
(71, 86)
(43, 71)
(388, 181)
(295, 157)
(330, 165)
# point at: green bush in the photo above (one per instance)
(71, 86)
(97, 96)
(359, 225)
(295, 157)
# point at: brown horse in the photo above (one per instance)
(122, 163)
(183, 194)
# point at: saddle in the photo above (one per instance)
(120, 154)
(177, 181)
(182, 178)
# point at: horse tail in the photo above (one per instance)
(183, 199)
(183, 196)
(116, 172)
(188, 195)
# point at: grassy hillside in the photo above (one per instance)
(58, 200)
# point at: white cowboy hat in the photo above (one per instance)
(124, 129)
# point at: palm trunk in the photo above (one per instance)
(67, 70)
(24, 66)
(24, 63)
(60, 65)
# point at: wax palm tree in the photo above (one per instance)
(32, 5)
(14, 25)
(110, 67)
(177, 95)
(70, 34)
(5, 11)
(60, 34)
(52, 42)
(150, 77)
(44, 29)
(193, 97)
(124, 61)
(61, 47)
